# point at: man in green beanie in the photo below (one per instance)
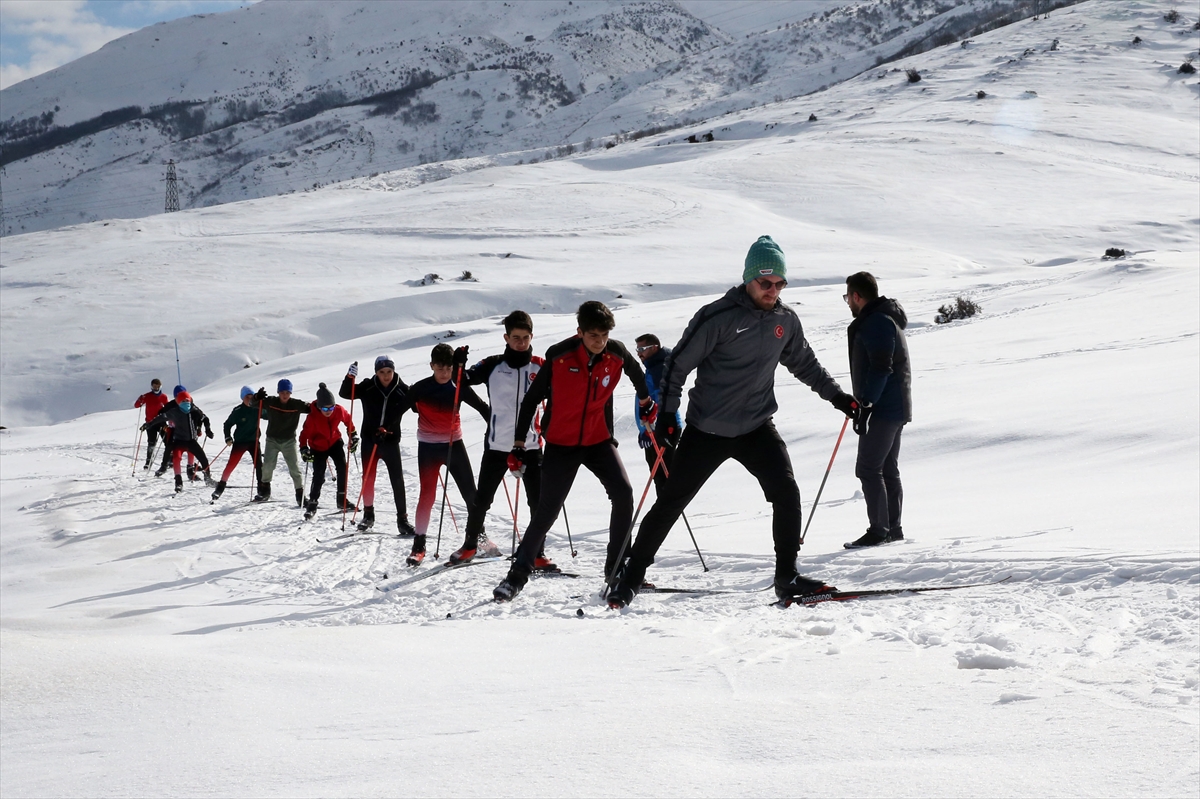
(734, 346)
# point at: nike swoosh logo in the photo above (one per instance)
(743, 330)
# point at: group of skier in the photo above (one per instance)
(733, 345)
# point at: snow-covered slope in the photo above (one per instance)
(154, 643)
(281, 97)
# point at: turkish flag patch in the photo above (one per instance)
(778, 331)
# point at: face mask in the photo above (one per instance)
(156, 391)
(186, 407)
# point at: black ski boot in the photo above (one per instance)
(218, 491)
(264, 492)
(368, 519)
(872, 538)
(628, 581)
(160, 471)
(418, 552)
(341, 503)
(405, 526)
(310, 509)
(208, 481)
(191, 472)
(178, 484)
(895, 534)
(299, 497)
(510, 586)
(791, 587)
(464, 553)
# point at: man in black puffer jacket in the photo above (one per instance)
(882, 381)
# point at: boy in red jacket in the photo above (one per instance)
(577, 381)
(154, 400)
(320, 441)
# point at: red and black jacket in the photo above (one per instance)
(578, 388)
(153, 402)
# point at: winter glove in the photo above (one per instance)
(664, 431)
(383, 435)
(353, 370)
(228, 441)
(862, 420)
(460, 356)
(261, 396)
(516, 464)
(143, 427)
(208, 433)
(644, 440)
(846, 404)
(353, 442)
(306, 455)
(649, 413)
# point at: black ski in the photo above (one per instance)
(842, 596)
(440, 569)
(355, 534)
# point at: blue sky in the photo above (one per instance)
(39, 35)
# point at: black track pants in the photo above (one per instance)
(878, 468)
(336, 453)
(764, 455)
(492, 468)
(559, 467)
(389, 454)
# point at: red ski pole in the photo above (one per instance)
(367, 474)
(828, 469)
(608, 578)
(449, 452)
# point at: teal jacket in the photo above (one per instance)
(243, 422)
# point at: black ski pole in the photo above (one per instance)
(567, 521)
(608, 578)
(828, 469)
(686, 523)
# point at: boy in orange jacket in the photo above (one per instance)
(320, 441)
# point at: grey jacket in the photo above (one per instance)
(734, 348)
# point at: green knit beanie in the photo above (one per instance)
(765, 258)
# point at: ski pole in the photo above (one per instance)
(567, 521)
(137, 446)
(367, 474)
(213, 462)
(828, 468)
(453, 519)
(449, 453)
(353, 455)
(686, 523)
(608, 578)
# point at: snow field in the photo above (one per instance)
(157, 643)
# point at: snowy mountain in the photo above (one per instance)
(156, 644)
(282, 97)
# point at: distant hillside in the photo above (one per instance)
(282, 97)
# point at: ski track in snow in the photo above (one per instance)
(1122, 629)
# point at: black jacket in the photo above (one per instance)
(382, 407)
(879, 367)
(184, 426)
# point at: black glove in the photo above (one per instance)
(353, 442)
(846, 404)
(460, 356)
(228, 441)
(261, 396)
(664, 430)
(383, 435)
(862, 420)
(143, 427)
(306, 454)
(648, 412)
(208, 431)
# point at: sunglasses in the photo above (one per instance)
(767, 284)
(326, 409)
(647, 348)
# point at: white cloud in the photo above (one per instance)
(53, 33)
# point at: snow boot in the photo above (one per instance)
(418, 552)
(872, 538)
(488, 547)
(208, 481)
(341, 502)
(310, 509)
(218, 491)
(178, 484)
(160, 471)
(264, 492)
(510, 586)
(463, 554)
(191, 472)
(626, 583)
(543, 564)
(787, 588)
(895, 535)
(405, 526)
(368, 519)
(299, 497)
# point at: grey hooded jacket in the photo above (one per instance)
(734, 347)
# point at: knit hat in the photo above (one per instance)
(175, 392)
(384, 362)
(246, 391)
(764, 258)
(183, 397)
(284, 385)
(324, 397)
